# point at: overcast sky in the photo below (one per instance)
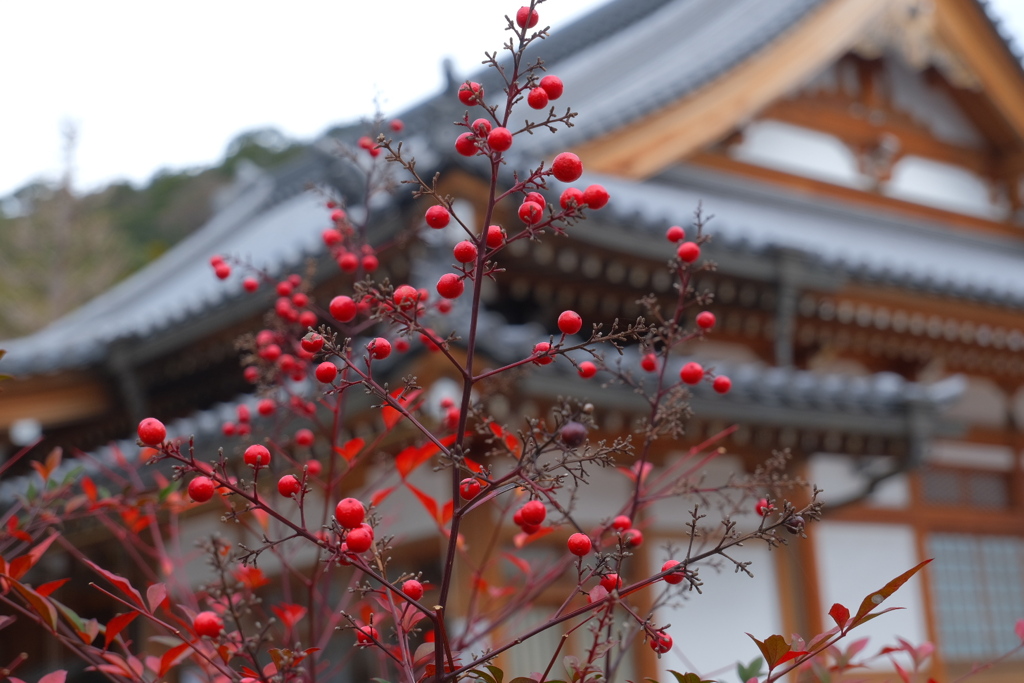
(155, 85)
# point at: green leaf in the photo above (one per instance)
(752, 670)
(496, 673)
(73, 474)
(876, 598)
(168, 490)
(522, 679)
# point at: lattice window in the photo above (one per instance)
(978, 593)
(967, 488)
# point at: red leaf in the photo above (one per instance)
(289, 614)
(839, 614)
(392, 415)
(55, 677)
(351, 449)
(40, 605)
(1019, 629)
(774, 648)
(47, 588)
(428, 502)
(89, 488)
(122, 583)
(116, 625)
(792, 654)
(378, 497)
(172, 657)
(874, 599)
(412, 457)
(155, 596)
(523, 565)
(473, 466)
(446, 512)
(522, 538)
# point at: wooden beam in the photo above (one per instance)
(963, 26)
(644, 147)
(53, 400)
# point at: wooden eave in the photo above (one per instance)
(55, 400)
(645, 147)
(707, 115)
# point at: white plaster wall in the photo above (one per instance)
(854, 559)
(982, 402)
(943, 186)
(933, 107)
(974, 455)
(797, 150)
(709, 629)
(839, 478)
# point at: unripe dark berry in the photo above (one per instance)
(573, 434)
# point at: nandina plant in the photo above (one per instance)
(317, 578)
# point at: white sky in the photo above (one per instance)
(155, 85)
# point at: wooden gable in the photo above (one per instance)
(908, 91)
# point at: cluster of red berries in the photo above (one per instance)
(243, 426)
(350, 514)
(630, 536)
(220, 267)
(530, 516)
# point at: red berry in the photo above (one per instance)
(705, 320)
(314, 467)
(570, 322)
(622, 523)
(538, 98)
(438, 217)
(256, 456)
(201, 489)
(527, 18)
(661, 642)
(481, 127)
(300, 299)
(534, 512)
(763, 507)
(444, 306)
(573, 434)
(348, 262)
(216, 259)
(222, 271)
(152, 431)
(365, 142)
(359, 540)
(567, 167)
(611, 582)
(304, 437)
(722, 384)
(517, 517)
(571, 198)
(675, 577)
(370, 263)
(553, 86)
(405, 296)
(469, 488)
(289, 485)
(499, 139)
(536, 198)
(579, 544)
(208, 624)
(284, 288)
(243, 413)
(401, 345)
(692, 373)
(228, 428)
(365, 635)
(531, 213)
(632, 537)
(326, 372)
(539, 350)
(465, 252)
(343, 308)
(266, 407)
(270, 352)
(312, 342)
(471, 93)
(675, 233)
(495, 236)
(396, 125)
(587, 369)
(688, 252)
(649, 362)
(413, 588)
(250, 284)
(350, 513)
(450, 286)
(529, 529)
(330, 236)
(595, 196)
(379, 348)
(465, 145)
